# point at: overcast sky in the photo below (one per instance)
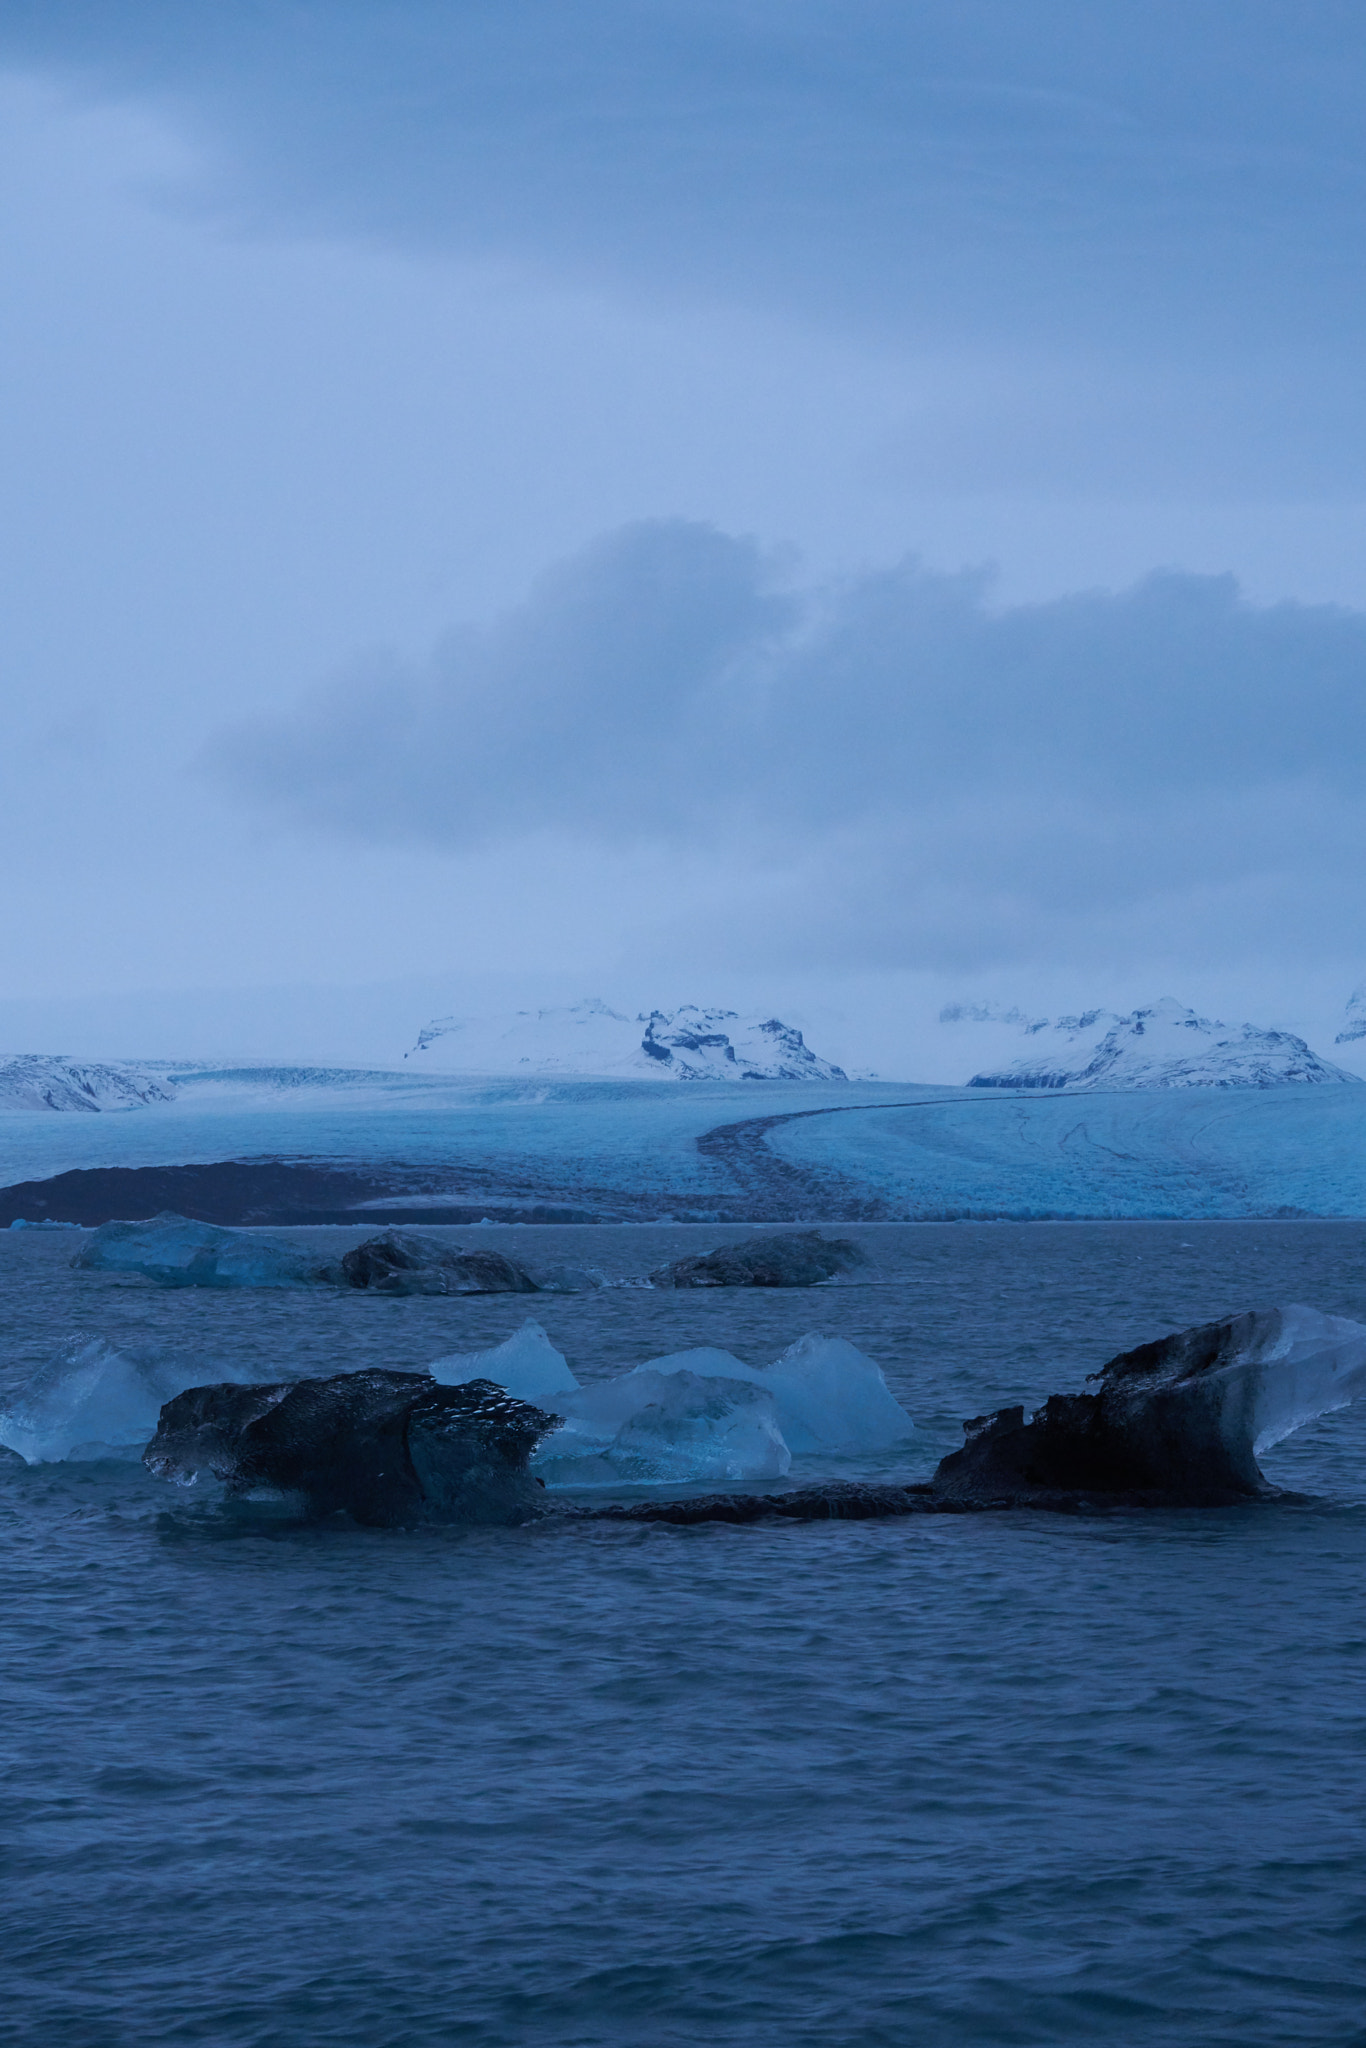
(849, 507)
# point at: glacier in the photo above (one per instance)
(632, 1151)
(48, 1081)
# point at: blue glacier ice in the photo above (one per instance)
(526, 1365)
(178, 1253)
(664, 1428)
(96, 1400)
(827, 1395)
(632, 1149)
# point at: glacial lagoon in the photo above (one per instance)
(1009, 1778)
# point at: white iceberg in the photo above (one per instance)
(95, 1401)
(526, 1365)
(827, 1395)
(664, 1428)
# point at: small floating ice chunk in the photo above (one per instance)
(827, 1395)
(650, 1428)
(526, 1365)
(93, 1401)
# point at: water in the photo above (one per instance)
(996, 1779)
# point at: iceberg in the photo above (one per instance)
(175, 1252)
(698, 1415)
(655, 1428)
(795, 1258)
(92, 1401)
(827, 1395)
(567, 1278)
(1181, 1419)
(390, 1449)
(400, 1263)
(526, 1365)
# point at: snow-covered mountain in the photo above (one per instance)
(1354, 1023)
(1167, 1046)
(47, 1081)
(588, 1038)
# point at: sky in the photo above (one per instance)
(843, 509)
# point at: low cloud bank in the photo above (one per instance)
(895, 768)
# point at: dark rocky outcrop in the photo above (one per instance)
(401, 1264)
(796, 1258)
(388, 1448)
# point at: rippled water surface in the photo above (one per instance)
(997, 1779)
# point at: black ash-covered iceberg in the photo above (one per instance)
(399, 1263)
(391, 1449)
(794, 1258)
(1184, 1418)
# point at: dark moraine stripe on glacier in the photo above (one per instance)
(779, 1192)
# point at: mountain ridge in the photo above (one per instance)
(1164, 1046)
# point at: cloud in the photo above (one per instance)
(894, 768)
(971, 167)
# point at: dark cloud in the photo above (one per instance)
(961, 167)
(896, 766)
